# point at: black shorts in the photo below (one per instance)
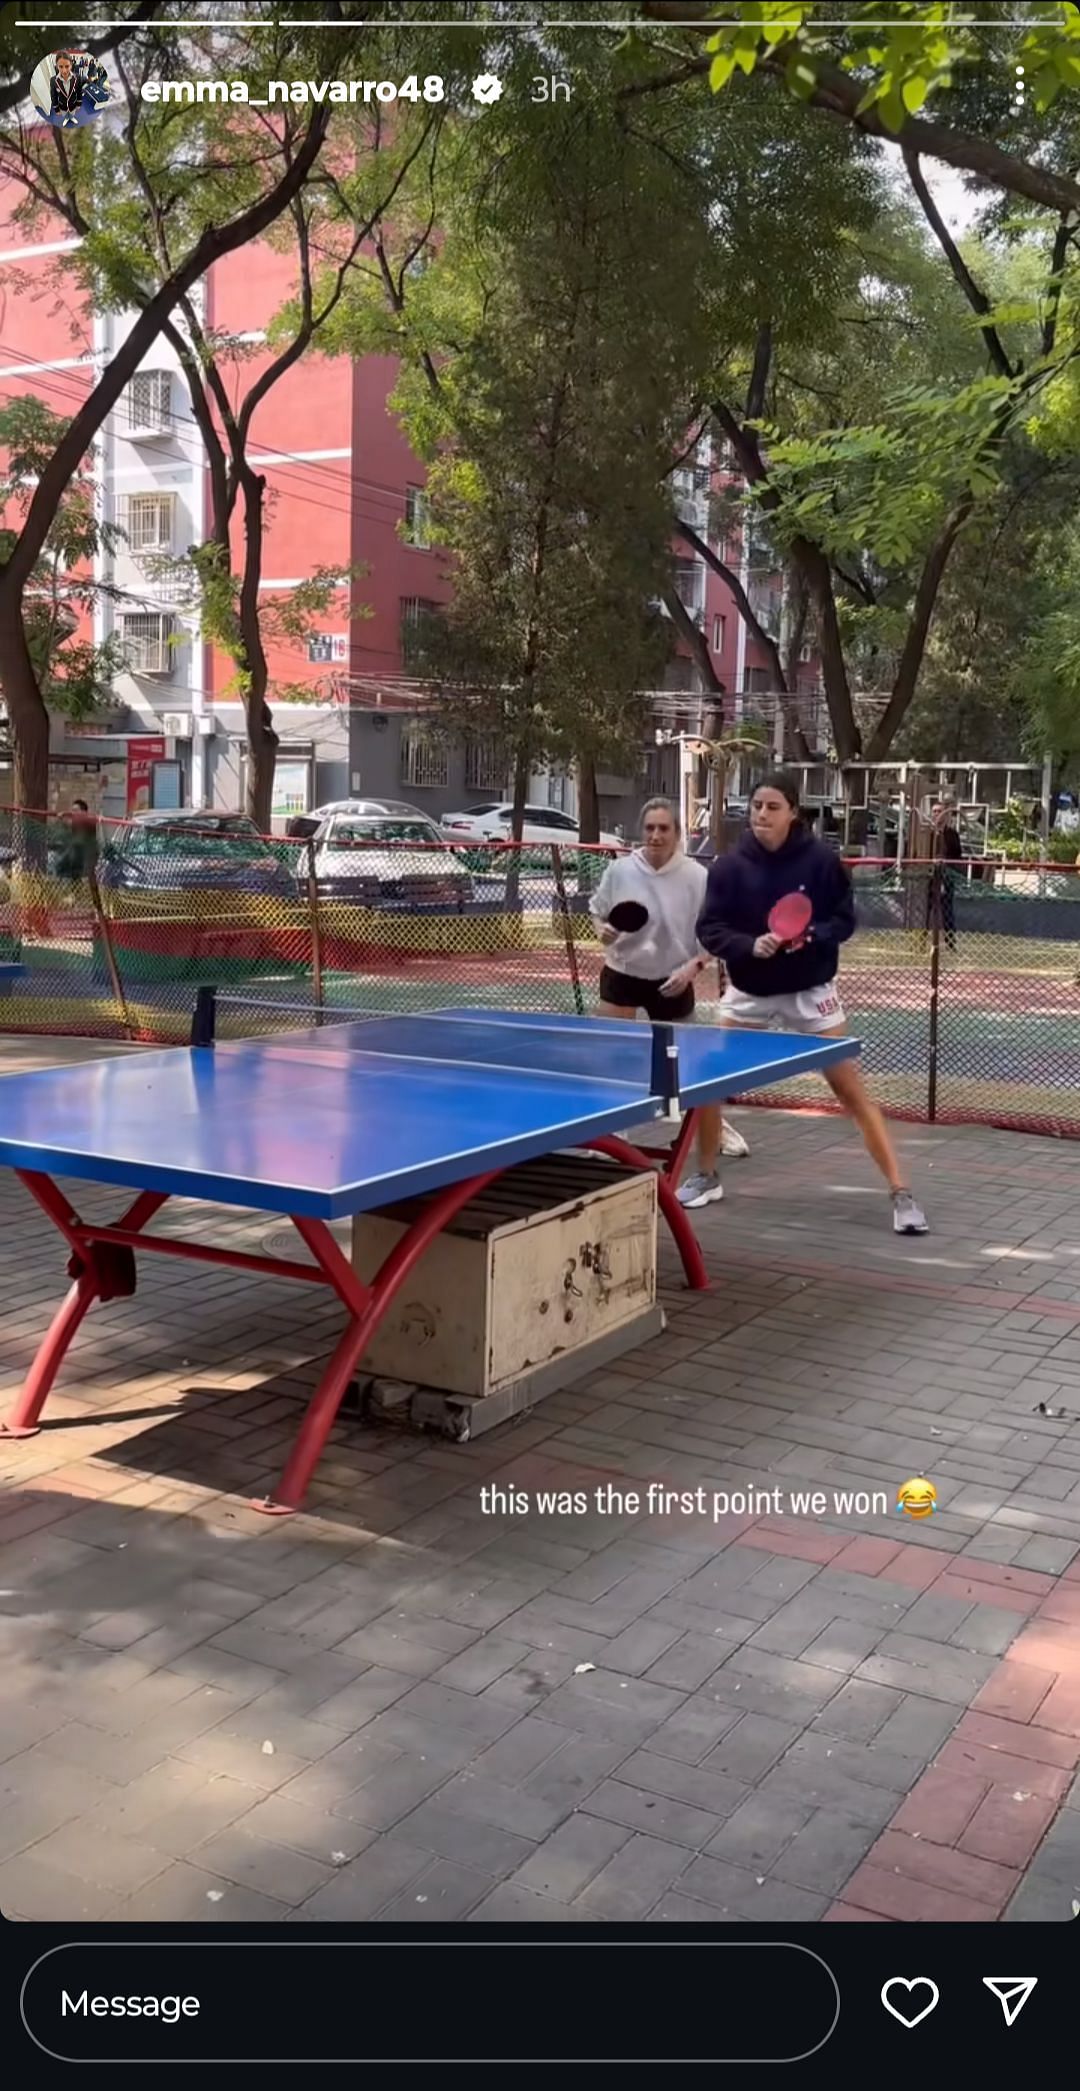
(625, 991)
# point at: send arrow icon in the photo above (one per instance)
(1012, 1993)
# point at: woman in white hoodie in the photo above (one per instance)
(651, 971)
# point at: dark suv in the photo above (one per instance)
(199, 896)
(169, 854)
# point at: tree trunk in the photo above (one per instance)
(914, 648)
(816, 575)
(588, 801)
(29, 721)
(695, 639)
(213, 245)
(522, 766)
(262, 750)
(814, 570)
(261, 737)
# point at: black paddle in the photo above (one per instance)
(628, 915)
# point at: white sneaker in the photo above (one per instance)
(732, 1145)
(700, 1189)
(907, 1216)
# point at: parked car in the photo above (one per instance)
(383, 853)
(162, 856)
(492, 824)
(194, 897)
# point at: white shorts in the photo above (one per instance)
(814, 1009)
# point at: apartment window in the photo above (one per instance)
(148, 520)
(759, 551)
(690, 586)
(417, 518)
(485, 765)
(766, 602)
(424, 757)
(169, 580)
(149, 400)
(416, 614)
(718, 634)
(146, 637)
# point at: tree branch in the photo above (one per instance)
(858, 587)
(212, 246)
(396, 297)
(817, 576)
(739, 597)
(692, 637)
(220, 507)
(840, 96)
(1062, 240)
(977, 299)
(311, 319)
(759, 373)
(911, 658)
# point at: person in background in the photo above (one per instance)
(78, 858)
(794, 987)
(947, 849)
(651, 971)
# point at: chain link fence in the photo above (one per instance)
(962, 983)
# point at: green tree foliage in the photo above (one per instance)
(992, 685)
(73, 674)
(216, 181)
(908, 75)
(868, 469)
(1050, 664)
(553, 330)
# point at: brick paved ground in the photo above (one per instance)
(394, 1707)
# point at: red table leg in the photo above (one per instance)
(366, 1305)
(51, 1354)
(100, 1272)
(681, 1230)
(102, 1266)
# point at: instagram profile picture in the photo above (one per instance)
(68, 88)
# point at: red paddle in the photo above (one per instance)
(627, 915)
(791, 917)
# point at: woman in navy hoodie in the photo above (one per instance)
(793, 987)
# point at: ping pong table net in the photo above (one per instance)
(643, 1056)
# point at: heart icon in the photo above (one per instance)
(907, 2010)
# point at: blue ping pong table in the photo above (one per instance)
(342, 1117)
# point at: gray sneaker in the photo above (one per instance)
(700, 1189)
(907, 1216)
